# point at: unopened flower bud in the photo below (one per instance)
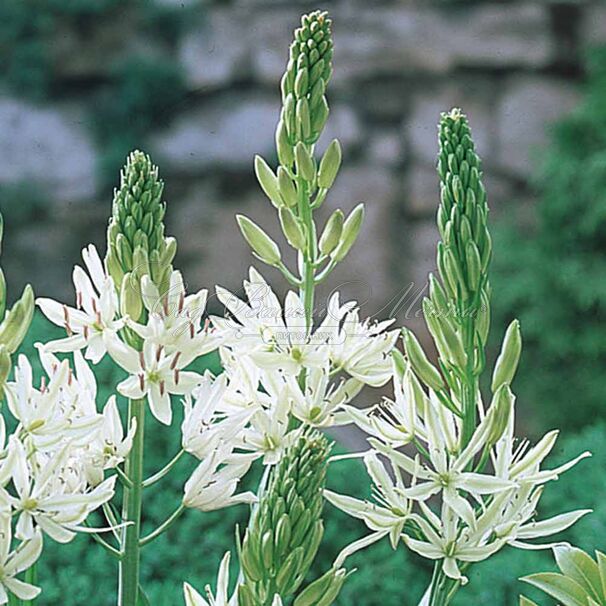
(507, 362)
(325, 588)
(332, 232)
(285, 151)
(306, 166)
(303, 119)
(424, 369)
(5, 368)
(329, 165)
(500, 409)
(17, 321)
(263, 246)
(288, 192)
(474, 266)
(130, 297)
(2, 294)
(351, 229)
(268, 181)
(292, 229)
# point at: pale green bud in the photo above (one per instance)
(17, 321)
(168, 256)
(351, 229)
(424, 369)
(263, 246)
(507, 362)
(268, 181)
(288, 192)
(130, 297)
(306, 166)
(500, 409)
(483, 317)
(303, 120)
(5, 368)
(329, 165)
(2, 294)
(323, 590)
(454, 347)
(292, 229)
(474, 266)
(332, 232)
(141, 262)
(285, 151)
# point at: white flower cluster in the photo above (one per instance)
(52, 474)
(442, 503)
(265, 350)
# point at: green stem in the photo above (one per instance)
(470, 387)
(31, 577)
(175, 515)
(164, 471)
(307, 288)
(129, 565)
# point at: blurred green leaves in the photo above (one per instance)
(554, 277)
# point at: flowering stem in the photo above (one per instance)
(309, 256)
(164, 471)
(175, 515)
(470, 389)
(31, 576)
(129, 565)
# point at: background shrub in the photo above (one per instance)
(553, 277)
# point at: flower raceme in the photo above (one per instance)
(470, 488)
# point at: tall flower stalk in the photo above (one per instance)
(470, 489)
(285, 370)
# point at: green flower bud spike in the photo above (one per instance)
(457, 311)
(135, 236)
(285, 532)
(306, 79)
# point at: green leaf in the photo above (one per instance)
(578, 566)
(526, 602)
(601, 558)
(567, 591)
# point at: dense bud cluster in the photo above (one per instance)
(286, 530)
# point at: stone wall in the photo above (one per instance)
(513, 66)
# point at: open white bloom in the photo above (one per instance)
(361, 349)
(45, 496)
(395, 422)
(14, 562)
(220, 597)
(214, 482)
(62, 409)
(154, 374)
(110, 446)
(392, 508)
(451, 508)
(317, 403)
(175, 319)
(274, 339)
(94, 315)
(205, 421)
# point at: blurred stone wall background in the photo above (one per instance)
(513, 66)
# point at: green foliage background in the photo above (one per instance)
(553, 277)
